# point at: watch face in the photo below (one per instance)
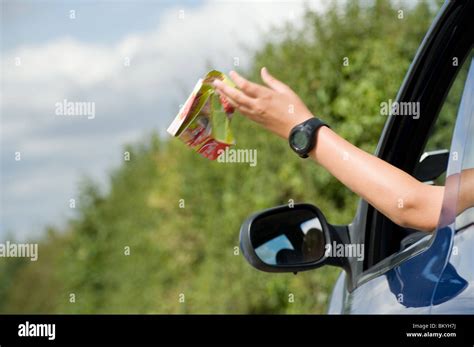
(300, 140)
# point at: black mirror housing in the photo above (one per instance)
(297, 235)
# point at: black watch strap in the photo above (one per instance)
(303, 136)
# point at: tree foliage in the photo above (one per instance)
(191, 250)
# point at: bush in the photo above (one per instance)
(190, 250)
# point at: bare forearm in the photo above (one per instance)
(390, 190)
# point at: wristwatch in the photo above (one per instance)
(303, 136)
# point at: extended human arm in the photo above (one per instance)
(400, 197)
(390, 190)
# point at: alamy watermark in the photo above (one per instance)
(75, 108)
(232, 155)
(28, 329)
(402, 108)
(19, 250)
(338, 250)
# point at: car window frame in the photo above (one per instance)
(425, 68)
(448, 215)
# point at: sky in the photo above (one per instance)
(135, 61)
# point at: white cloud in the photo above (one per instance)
(164, 65)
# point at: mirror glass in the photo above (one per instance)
(288, 237)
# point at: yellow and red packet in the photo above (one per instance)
(203, 123)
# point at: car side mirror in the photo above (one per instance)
(432, 165)
(289, 239)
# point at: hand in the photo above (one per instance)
(276, 107)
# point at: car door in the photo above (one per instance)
(456, 292)
(434, 274)
(380, 284)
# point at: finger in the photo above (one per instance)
(249, 88)
(233, 93)
(231, 101)
(245, 111)
(241, 108)
(272, 82)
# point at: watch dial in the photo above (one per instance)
(300, 140)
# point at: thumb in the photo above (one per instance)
(272, 82)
